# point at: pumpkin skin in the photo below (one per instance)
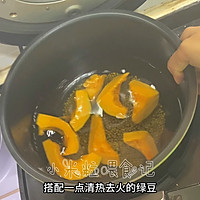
(60, 163)
(98, 143)
(48, 122)
(145, 100)
(93, 85)
(143, 142)
(109, 100)
(83, 110)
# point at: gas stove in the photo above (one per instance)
(181, 179)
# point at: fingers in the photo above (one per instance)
(188, 32)
(187, 53)
(177, 63)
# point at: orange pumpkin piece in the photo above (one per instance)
(143, 142)
(98, 143)
(67, 168)
(48, 122)
(83, 110)
(93, 85)
(145, 100)
(109, 100)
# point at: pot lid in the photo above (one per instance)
(43, 11)
(22, 20)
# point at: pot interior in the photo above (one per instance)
(112, 42)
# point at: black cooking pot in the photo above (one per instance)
(111, 40)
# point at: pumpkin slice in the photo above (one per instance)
(48, 122)
(98, 143)
(70, 169)
(93, 85)
(145, 100)
(143, 142)
(109, 100)
(83, 110)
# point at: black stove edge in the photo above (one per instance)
(22, 183)
(16, 39)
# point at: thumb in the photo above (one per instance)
(176, 64)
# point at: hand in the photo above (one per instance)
(187, 53)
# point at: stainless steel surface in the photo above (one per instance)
(40, 11)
